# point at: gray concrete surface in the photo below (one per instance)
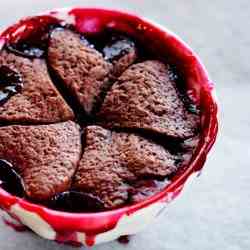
(214, 212)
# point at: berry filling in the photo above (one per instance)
(117, 47)
(10, 180)
(74, 201)
(137, 124)
(33, 41)
(10, 83)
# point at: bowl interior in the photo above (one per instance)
(163, 44)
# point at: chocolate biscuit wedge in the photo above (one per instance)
(45, 156)
(36, 100)
(112, 161)
(145, 97)
(81, 68)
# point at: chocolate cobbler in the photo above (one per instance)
(90, 123)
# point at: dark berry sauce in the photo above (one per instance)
(182, 91)
(26, 50)
(33, 42)
(114, 44)
(73, 201)
(10, 180)
(117, 47)
(10, 83)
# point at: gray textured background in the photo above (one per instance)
(214, 212)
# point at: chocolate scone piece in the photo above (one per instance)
(82, 68)
(38, 101)
(145, 97)
(46, 156)
(112, 161)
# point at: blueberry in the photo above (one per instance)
(10, 180)
(74, 201)
(10, 83)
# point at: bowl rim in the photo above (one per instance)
(210, 135)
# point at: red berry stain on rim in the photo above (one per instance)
(200, 89)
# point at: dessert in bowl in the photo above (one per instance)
(103, 117)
